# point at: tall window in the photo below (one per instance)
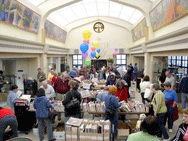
(179, 62)
(77, 61)
(121, 59)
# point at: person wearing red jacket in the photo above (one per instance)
(61, 86)
(122, 93)
(7, 117)
(54, 78)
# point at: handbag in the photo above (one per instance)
(52, 113)
(73, 103)
(110, 112)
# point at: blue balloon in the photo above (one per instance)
(84, 47)
(98, 50)
(93, 54)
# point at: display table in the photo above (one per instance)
(119, 113)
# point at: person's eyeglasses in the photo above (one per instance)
(185, 116)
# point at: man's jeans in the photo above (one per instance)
(184, 97)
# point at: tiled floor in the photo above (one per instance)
(138, 97)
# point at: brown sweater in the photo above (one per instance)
(60, 86)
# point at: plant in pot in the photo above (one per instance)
(110, 60)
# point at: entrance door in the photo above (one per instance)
(98, 63)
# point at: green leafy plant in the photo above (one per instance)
(110, 60)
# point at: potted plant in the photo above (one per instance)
(110, 60)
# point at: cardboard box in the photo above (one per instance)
(35, 132)
(75, 124)
(107, 131)
(68, 133)
(59, 134)
(123, 132)
(75, 134)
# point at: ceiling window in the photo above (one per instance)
(36, 2)
(90, 8)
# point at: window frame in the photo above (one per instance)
(121, 60)
(79, 65)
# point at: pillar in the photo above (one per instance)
(148, 65)
(58, 65)
(1, 64)
(44, 63)
(43, 36)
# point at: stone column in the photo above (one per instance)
(148, 65)
(58, 65)
(1, 64)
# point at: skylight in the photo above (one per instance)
(152, 0)
(89, 8)
(36, 2)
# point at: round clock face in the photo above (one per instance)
(98, 27)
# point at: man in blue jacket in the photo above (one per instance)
(111, 80)
(184, 90)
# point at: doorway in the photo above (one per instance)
(98, 63)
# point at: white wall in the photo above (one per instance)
(32, 72)
(139, 41)
(54, 42)
(12, 31)
(114, 36)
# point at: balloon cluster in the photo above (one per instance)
(95, 48)
(85, 45)
(115, 53)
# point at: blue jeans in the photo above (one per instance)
(169, 115)
(162, 129)
(8, 120)
(41, 121)
(184, 97)
(114, 122)
(134, 76)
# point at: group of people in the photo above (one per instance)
(66, 88)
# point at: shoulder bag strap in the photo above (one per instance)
(71, 94)
(120, 93)
(110, 102)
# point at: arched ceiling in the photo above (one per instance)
(93, 8)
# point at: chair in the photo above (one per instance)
(20, 139)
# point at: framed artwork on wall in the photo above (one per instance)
(54, 32)
(167, 11)
(15, 13)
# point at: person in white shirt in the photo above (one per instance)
(120, 70)
(171, 79)
(143, 85)
(49, 90)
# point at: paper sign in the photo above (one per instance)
(85, 94)
(95, 80)
(86, 86)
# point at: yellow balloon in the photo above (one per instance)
(96, 44)
(97, 55)
(86, 34)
